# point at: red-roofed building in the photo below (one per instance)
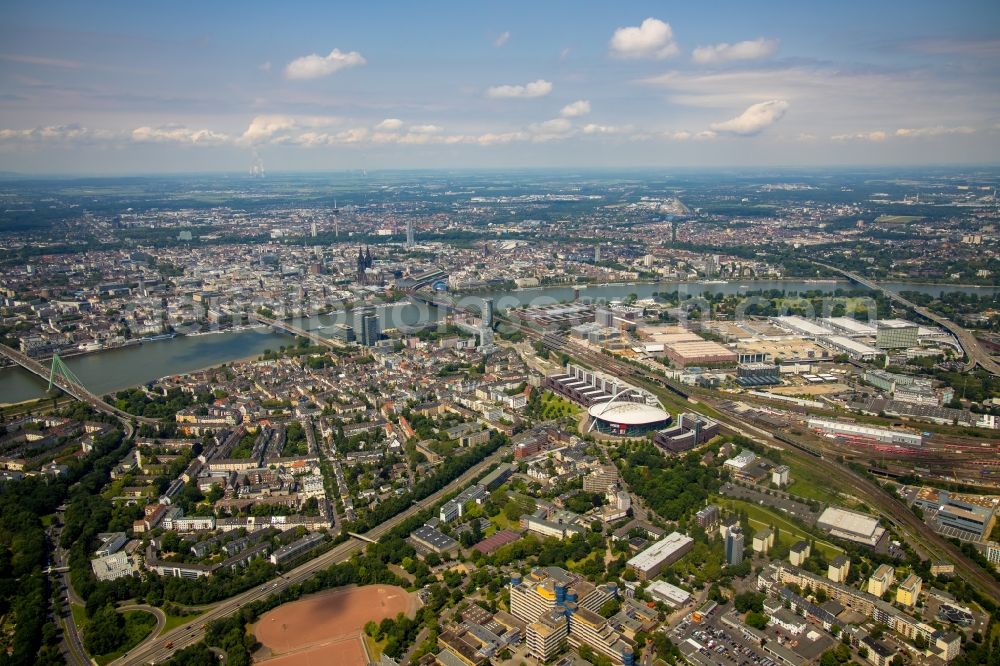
(501, 538)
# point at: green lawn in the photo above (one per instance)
(79, 616)
(502, 522)
(375, 647)
(790, 532)
(809, 483)
(554, 406)
(174, 621)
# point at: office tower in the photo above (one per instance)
(734, 547)
(487, 312)
(367, 329)
(409, 233)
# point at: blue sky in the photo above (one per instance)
(144, 87)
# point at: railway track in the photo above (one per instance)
(922, 538)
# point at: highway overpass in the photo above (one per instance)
(970, 346)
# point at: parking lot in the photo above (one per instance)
(709, 644)
(781, 503)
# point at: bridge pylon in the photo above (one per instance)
(60, 369)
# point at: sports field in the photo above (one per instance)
(326, 628)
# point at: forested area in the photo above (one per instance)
(673, 487)
(25, 591)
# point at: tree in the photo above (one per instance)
(104, 631)
(749, 601)
(610, 607)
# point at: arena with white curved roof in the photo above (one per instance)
(627, 418)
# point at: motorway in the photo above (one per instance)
(156, 651)
(977, 355)
(74, 651)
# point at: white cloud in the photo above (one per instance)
(265, 66)
(565, 53)
(426, 129)
(490, 138)
(756, 118)
(576, 109)
(653, 38)
(539, 88)
(280, 128)
(71, 133)
(753, 49)
(594, 128)
(262, 128)
(502, 39)
(178, 134)
(937, 130)
(554, 126)
(876, 136)
(314, 66)
(389, 125)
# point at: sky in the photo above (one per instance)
(136, 88)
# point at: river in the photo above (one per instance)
(112, 370)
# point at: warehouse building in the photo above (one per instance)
(853, 526)
(896, 334)
(701, 352)
(431, 540)
(757, 374)
(866, 434)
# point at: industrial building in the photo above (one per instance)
(432, 540)
(853, 526)
(962, 516)
(649, 563)
(757, 374)
(556, 316)
(701, 352)
(866, 434)
(896, 334)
